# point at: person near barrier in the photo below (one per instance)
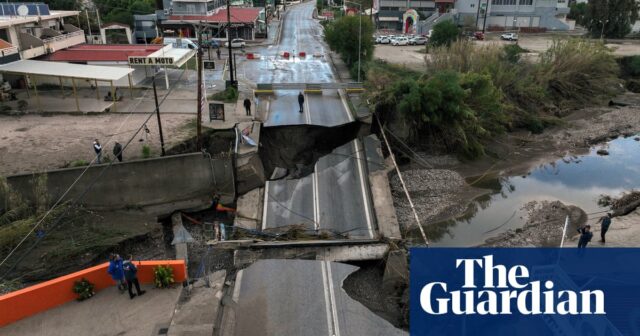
(117, 272)
(131, 275)
(301, 101)
(585, 236)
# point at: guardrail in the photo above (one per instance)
(49, 294)
(308, 86)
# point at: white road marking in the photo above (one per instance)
(237, 285)
(266, 200)
(327, 299)
(307, 111)
(316, 200)
(332, 296)
(360, 163)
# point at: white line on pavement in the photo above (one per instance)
(266, 203)
(327, 300)
(332, 295)
(365, 199)
(237, 285)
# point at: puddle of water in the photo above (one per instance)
(575, 181)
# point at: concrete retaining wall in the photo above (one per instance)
(163, 184)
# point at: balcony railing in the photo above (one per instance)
(64, 41)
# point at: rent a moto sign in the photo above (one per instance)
(525, 291)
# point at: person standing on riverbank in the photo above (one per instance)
(585, 236)
(604, 226)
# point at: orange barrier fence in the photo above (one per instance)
(49, 294)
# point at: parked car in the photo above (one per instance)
(509, 37)
(418, 40)
(236, 43)
(400, 41)
(380, 38)
(181, 43)
(211, 43)
(385, 40)
(479, 36)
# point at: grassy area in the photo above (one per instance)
(470, 94)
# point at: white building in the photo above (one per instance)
(516, 14)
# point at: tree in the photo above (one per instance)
(611, 18)
(444, 33)
(342, 36)
(578, 12)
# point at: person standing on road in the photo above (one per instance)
(301, 101)
(218, 52)
(97, 147)
(247, 106)
(604, 227)
(117, 151)
(585, 236)
(131, 275)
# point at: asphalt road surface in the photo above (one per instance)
(326, 109)
(302, 297)
(299, 33)
(335, 197)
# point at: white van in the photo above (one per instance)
(182, 43)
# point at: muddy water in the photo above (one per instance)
(572, 180)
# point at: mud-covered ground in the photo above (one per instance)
(544, 226)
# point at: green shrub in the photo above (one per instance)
(163, 276)
(84, 289)
(146, 151)
(444, 33)
(630, 65)
(79, 163)
(512, 52)
(229, 95)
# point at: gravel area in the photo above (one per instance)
(544, 226)
(436, 193)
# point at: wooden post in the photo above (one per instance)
(26, 85)
(75, 93)
(97, 91)
(113, 97)
(35, 88)
(61, 86)
(130, 86)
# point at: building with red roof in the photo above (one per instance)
(245, 23)
(102, 53)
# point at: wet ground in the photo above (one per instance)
(578, 181)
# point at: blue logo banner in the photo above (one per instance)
(524, 291)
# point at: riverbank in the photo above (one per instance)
(514, 154)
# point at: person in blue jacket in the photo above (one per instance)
(116, 271)
(131, 275)
(585, 236)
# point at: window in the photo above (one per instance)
(503, 2)
(526, 2)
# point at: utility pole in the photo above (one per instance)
(231, 74)
(477, 15)
(155, 96)
(86, 12)
(486, 13)
(98, 16)
(200, 93)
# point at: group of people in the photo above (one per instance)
(117, 151)
(586, 235)
(125, 274)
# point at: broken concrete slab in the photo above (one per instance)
(388, 226)
(250, 209)
(197, 314)
(316, 302)
(396, 272)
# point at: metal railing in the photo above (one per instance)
(63, 37)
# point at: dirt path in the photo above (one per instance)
(36, 143)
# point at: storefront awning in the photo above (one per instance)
(65, 70)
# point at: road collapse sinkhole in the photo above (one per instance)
(293, 150)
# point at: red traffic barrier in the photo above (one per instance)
(303, 54)
(250, 56)
(286, 54)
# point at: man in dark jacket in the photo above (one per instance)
(218, 52)
(117, 151)
(585, 236)
(131, 274)
(247, 106)
(604, 227)
(97, 147)
(301, 101)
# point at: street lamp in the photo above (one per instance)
(603, 24)
(359, 33)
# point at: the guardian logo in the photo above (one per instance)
(504, 292)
